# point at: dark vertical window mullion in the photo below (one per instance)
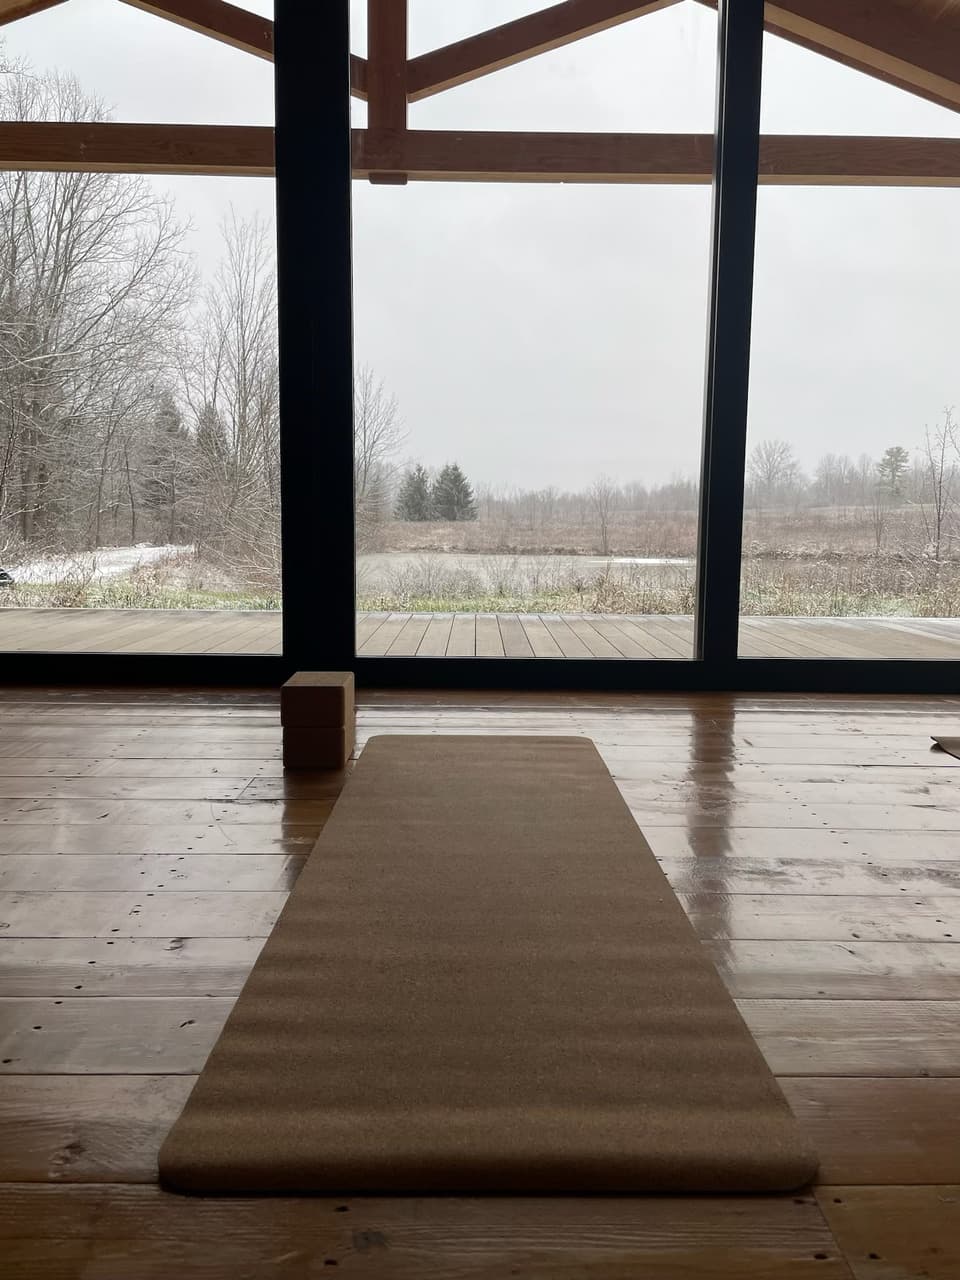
(737, 142)
(314, 280)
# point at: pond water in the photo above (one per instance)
(380, 571)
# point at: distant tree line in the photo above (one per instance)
(917, 491)
(446, 496)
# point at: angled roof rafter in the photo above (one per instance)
(13, 10)
(913, 44)
(217, 19)
(516, 41)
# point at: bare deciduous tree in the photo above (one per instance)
(230, 379)
(772, 469)
(879, 511)
(939, 492)
(603, 502)
(378, 434)
(93, 285)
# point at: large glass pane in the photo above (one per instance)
(139, 435)
(853, 476)
(530, 362)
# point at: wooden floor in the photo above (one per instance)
(147, 843)
(483, 635)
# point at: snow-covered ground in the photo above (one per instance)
(95, 566)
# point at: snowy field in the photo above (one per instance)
(92, 566)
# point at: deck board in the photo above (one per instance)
(468, 635)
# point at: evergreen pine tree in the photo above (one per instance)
(452, 497)
(413, 500)
(892, 467)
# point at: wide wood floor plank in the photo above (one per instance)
(109, 1036)
(105, 914)
(857, 1037)
(896, 1233)
(87, 968)
(165, 839)
(833, 918)
(880, 1131)
(750, 813)
(212, 788)
(149, 1234)
(87, 1129)
(897, 847)
(148, 872)
(854, 970)
(55, 812)
(873, 877)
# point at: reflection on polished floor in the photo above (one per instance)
(147, 842)
(467, 635)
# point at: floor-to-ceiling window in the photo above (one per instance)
(536, 466)
(530, 354)
(852, 514)
(139, 425)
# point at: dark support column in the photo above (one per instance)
(316, 332)
(728, 343)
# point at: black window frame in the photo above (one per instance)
(315, 294)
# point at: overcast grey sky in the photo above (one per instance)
(541, 335)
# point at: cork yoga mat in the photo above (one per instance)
(483, 983)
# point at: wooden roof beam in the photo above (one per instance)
(670, 159)
(234, 26)
(12, 10)
(516, 41)
(914, 44)
(231, 150)
(215, 18)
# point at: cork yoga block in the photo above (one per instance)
(313, 747)
(323, 699)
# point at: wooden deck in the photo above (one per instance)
(147, 843)
(467, 635)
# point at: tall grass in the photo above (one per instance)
(771, 586)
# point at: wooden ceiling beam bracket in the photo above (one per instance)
(516, 41)
(387, 76)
